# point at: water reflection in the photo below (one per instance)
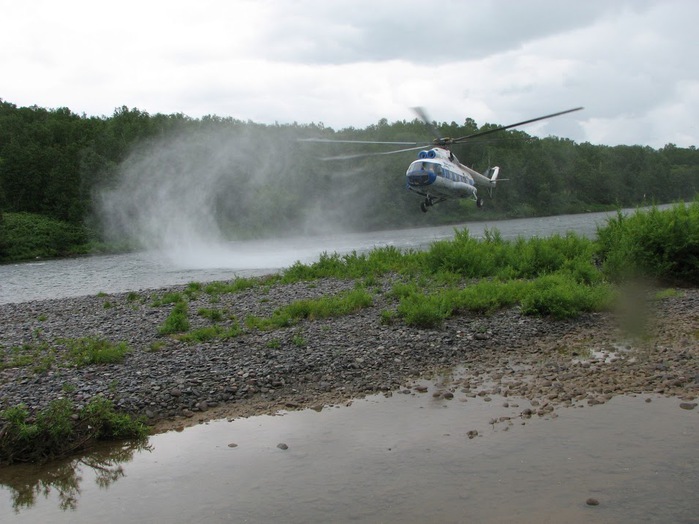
(406, 458)
(62, 479)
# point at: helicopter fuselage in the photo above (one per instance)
(437, 175)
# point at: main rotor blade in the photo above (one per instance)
(481, 133)
(422, 114)
(331, 140)
(380, 153)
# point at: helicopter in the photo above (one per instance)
(437, 174)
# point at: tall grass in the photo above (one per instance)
(658, 244)
(557, 295)
(523, 258)
(324, 307)
(378, 261)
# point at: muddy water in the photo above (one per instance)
(407, 458)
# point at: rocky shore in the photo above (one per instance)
(551, 363)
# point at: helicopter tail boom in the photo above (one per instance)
(488, 179)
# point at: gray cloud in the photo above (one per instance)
(632, 64)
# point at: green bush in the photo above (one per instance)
(522, 258)
(424, 311)
(560, 296)
(489, 295)
(27, 236)
(107, 424)
(657, 244)
(60, 429)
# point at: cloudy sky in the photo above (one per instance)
(633, 64)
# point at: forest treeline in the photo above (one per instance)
(57, 169)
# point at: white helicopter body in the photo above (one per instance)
(437, 174)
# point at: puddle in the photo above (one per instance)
(608, 355)
(407, 458)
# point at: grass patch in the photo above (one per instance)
(205, 334)
(234, 286)
(324, 307)
(177, 321)
(562, 297)
(38, 355)
(557, 295)
(60, 430)
(92, 350)
(667, 293)
(215, 315)
(168, 298)
(377, 262)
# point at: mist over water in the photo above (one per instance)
(191, 195)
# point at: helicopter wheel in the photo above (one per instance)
(479, 202)
(423, 207)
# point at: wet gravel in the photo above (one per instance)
(585, 361)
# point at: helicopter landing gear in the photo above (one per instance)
(479, 202)
(428, 202)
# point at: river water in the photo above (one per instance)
(46, 279)
(404, 458)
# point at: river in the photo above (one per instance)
(47, 279)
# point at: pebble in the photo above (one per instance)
(341, 358)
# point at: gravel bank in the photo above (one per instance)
(550, 363)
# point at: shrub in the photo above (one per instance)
(560, 296)
(489, 296)
(28, 236)
(60, 429)
(424, 311)
(659, 244)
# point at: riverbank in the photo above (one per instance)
(174, 383)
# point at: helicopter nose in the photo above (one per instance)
(418, 175)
